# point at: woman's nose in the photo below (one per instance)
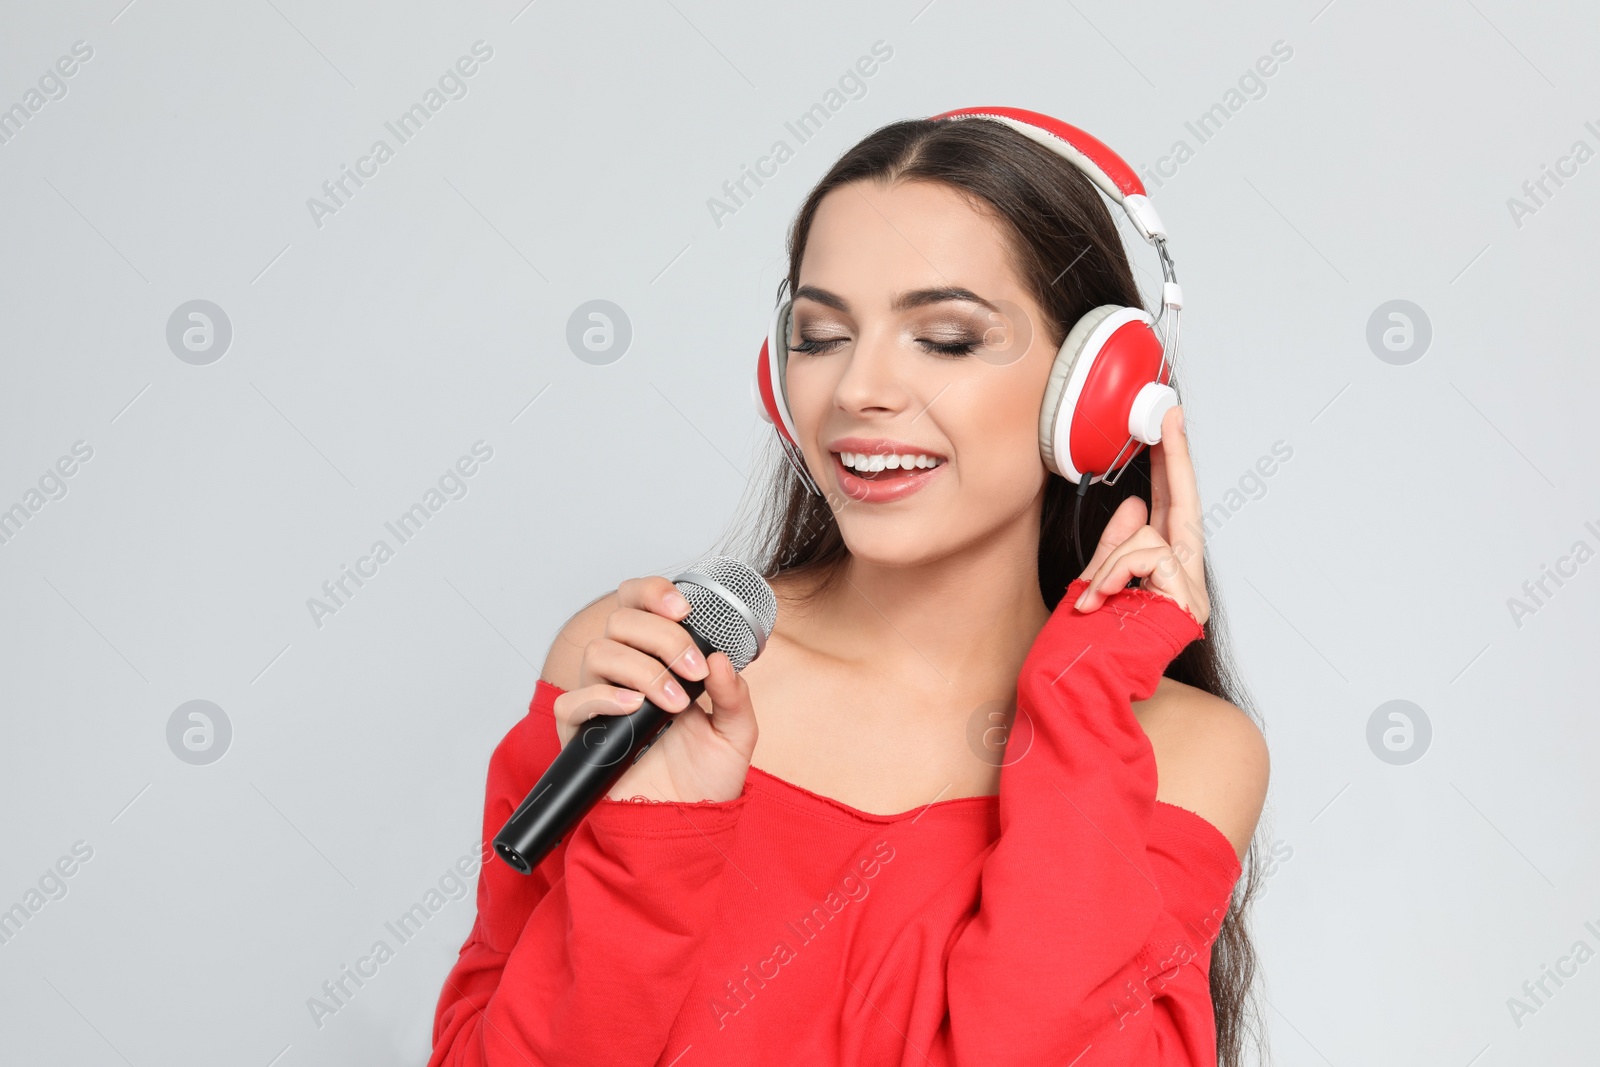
(872, 375)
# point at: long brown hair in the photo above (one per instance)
(1070, 255)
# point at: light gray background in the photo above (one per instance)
(1410, 901)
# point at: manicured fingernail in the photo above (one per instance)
(674, 694)
(1081, 599)
(627, 698)
(676, 603)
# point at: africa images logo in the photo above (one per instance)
(852, 85)
(452, 85)
(737, 994)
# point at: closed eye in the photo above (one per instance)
(814, 345)
(949, 348)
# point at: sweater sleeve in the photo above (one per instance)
(1074, 948)
(587, 959)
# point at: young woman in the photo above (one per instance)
(978, 801)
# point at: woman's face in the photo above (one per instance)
(913, 334)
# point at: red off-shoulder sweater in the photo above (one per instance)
(1068, 920)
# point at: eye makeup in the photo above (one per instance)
(948, 337)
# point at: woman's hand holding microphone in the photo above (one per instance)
(703, 757)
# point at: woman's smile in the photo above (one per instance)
(875, 482)
(876, 471)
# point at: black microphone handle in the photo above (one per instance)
(582, 773)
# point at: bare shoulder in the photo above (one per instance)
(1211, 758)
(566, 651)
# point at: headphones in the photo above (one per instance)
(1108, 388)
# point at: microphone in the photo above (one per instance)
(732, 611)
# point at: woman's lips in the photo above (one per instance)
(882, 489)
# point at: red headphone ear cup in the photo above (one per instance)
(769, 374)
(767, 389)
(761, 388)
(1108, 356)
(1057, 407)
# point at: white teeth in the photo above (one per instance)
(866, 463)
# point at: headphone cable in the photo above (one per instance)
(1077, 509)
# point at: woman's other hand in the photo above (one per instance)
(1167, 553)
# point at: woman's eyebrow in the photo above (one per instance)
(915, 298)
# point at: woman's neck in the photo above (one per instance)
(963, 616)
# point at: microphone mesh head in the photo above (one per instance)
(731, 606)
